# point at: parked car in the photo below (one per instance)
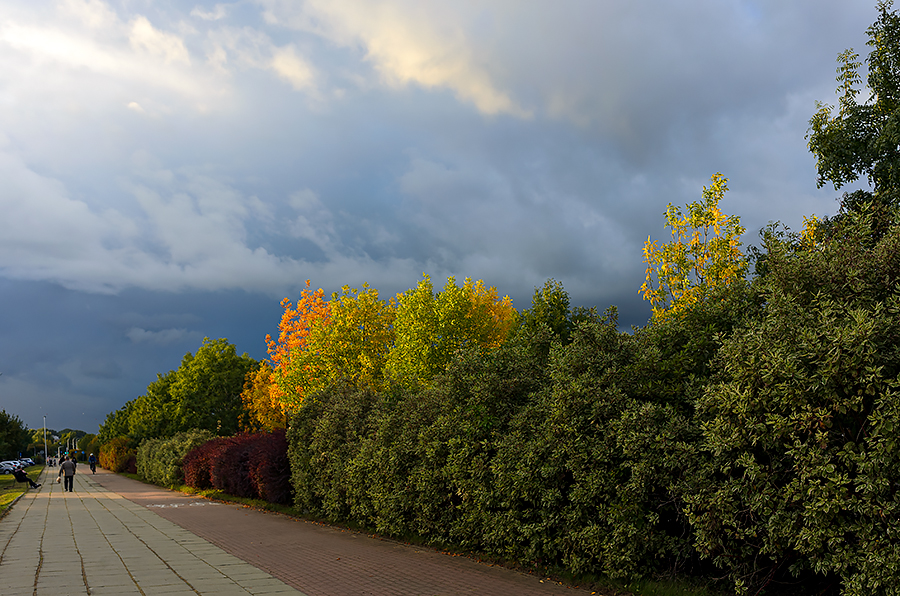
(8, 466)
(28, 461)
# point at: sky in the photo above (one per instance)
(171, 170)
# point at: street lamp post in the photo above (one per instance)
(45, 441)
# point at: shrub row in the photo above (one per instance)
(160, 460)
(248, 465)
(536, 454)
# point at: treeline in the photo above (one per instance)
(203, 393)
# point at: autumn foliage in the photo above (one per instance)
(118, 455)
(265, 411)
(704, 254)
(297, 322)
(248, 465)
(356, 337)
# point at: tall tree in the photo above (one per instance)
(350, 344)
(296, 323)
(207, 388)
(203, 393)
(704, 254)
(14, 436)
(153, 415)
(863, 138)
(430, 328)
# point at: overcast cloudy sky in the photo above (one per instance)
(170, 170)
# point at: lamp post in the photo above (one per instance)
(45, 441)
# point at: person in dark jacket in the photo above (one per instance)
(21, 476)
(68, 468)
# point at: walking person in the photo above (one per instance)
(68, 468)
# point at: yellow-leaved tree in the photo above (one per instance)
(430, 328)
(265, 411)
(705, 253)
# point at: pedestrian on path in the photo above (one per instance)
(68, 468)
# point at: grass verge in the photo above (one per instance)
(10, 490)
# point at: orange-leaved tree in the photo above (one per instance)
(351, 345)
(705, 253)
(296, 323)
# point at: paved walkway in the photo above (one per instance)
(114, 535)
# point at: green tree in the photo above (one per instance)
(550, 308)
(14, 436)
(203, 393)
(863, 138)
(89, 444)
(152, 414)
(116, 423)
(206, 392)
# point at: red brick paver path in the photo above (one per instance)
(321, 560)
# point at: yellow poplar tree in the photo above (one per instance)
(705, 253)
(430, 328)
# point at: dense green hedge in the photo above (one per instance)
(802, 466)
(560, 454)
(757, 433)
(160, 460)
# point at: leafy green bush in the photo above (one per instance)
(160, 460)
(802, 467)
(562, 454)
(582, 477)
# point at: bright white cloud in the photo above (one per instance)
(247, 48)
(145, 37)
(292, 67)
(408, 42)
(133, 56)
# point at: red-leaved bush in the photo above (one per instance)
(270, 471)
(196, 464)
(229, 467)
(253, 466)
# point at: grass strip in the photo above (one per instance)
(10, 490)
